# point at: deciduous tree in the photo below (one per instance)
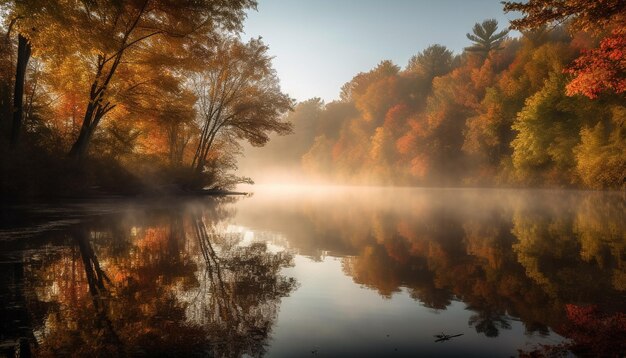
(107, 32)
(239, 98)
(596, 70)
(435, 60)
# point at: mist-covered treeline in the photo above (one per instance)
(514, 111)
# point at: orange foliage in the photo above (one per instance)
(406, 143)
(602, 69)
(154, 239)
(396, 117)
(483, 76)
(460, 127)
(419, 166)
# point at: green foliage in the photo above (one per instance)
(435, 60)
(485, 37)
(601, 154)
(484, 133)
(547, 132)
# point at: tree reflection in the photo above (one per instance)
(156, 283)
(16, 335)
(506, 255)
(592, 333)
(180, 281)
(242, 288)
(489, 322)
(96, 278)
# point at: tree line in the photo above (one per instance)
(547, 108)
(156, 95)
(128, 94)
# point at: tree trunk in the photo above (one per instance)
(5, 111)
(95, 112)
(95, 109)
(23, 55)
(79, 148)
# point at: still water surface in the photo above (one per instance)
(297, 272)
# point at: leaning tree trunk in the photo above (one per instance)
(79, 148)
(96, 109)
(23, 55)
(94, 113)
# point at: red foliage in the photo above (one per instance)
(595, 332)
(592, 333)
(602, 69)
(582, 40)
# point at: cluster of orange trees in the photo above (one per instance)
(546, 108)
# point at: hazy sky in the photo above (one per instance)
(321, 44)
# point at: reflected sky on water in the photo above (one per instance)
(327, 271)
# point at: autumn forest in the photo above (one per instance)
(160, 95)
(446, 199)
(543, 109)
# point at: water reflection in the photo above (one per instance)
(209, 277)
(532, 256)
(150, 283)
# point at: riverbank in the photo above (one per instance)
(35, 176)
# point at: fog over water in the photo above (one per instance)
(323, 178)
(291, 270)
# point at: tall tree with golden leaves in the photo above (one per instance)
(239, 98)
(108, 33)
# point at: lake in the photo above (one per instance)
(318, 272)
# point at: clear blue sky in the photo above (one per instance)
(321, 44)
